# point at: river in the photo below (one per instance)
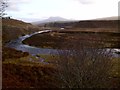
(18, 45)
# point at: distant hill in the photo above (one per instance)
(12, 29)
(50, 19)
(109, 18)
(85, 24)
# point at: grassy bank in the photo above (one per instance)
(21, 70)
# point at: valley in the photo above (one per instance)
(78, 48)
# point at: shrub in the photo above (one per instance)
(83, 67)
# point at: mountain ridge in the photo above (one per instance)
(50, 19)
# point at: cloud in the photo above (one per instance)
(13, 5)
(19, 1)
(97, 1)
(86, 1)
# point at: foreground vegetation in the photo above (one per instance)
(21, 70)
(27, 75)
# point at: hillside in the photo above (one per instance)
(12, 29)
(109, 18)
(97, 24)
(86, 24)
(94, 25)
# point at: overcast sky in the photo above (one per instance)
(35, 10)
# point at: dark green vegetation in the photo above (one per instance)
(72, 69)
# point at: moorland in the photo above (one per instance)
(83, 60)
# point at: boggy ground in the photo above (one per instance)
(65, 39)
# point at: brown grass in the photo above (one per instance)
(12, 29)
(59, 39)
(20, 76)
(9, 53)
